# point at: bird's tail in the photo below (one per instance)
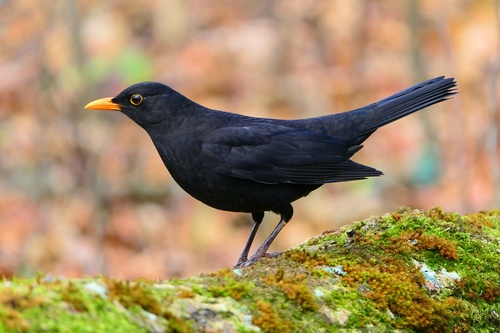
(408, 101)
(357, 125)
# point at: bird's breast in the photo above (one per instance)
(196, 174)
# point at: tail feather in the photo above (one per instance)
(409, 101)
(357, 125)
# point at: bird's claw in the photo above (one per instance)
(245, 262)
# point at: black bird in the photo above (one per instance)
(246, 164)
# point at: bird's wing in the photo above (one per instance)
(279, 154)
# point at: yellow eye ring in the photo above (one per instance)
(136, 99)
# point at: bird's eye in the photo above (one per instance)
(136, 99)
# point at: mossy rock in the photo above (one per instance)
(408, 271)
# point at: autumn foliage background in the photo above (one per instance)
(84, 192)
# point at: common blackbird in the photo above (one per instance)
(238, 163)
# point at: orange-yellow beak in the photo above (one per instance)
(103, 104)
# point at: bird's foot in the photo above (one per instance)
(241, 262)
(273, 254)
(244, 262)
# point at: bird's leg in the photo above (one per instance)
(257, 219)
(265, 246)
(286, 215)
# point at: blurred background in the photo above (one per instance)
(84, 192)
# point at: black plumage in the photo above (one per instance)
(246, 164)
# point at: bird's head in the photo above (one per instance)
(145, 103)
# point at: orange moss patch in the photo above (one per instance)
(309, 259)
(133, 293)
(268, 319)
(130, 294)
(474, 289)
(394, 285)
(479, 220)
(13, 320)
(408, 241)
(437, 213)
(184, 293)
(294, 287)
(445, 247)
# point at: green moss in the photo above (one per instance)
(59, 319)
(229, 287)
(378, 255)
(409, 270)
(397, 286)
(139, 295)
(362, 312)
(478, 289)
(34, 305)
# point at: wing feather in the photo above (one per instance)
(279, 154)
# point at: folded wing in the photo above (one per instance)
(280, 154)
